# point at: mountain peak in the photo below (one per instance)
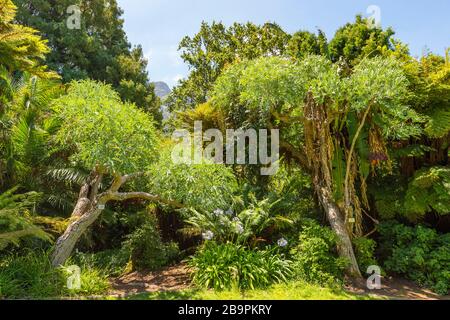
(162, 89)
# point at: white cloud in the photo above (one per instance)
(173, 80)
(174, 56)
(177, 78)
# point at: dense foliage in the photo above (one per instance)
(98, 49)
(147, 250)
(419, 253)
(87, 177)
(315, 258)
(227, 266)
(116, 137)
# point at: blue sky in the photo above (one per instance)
(159, 25)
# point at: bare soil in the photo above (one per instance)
(395, 289)
(177, 278)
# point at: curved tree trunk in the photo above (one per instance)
(336, 220)
(318, 146)
(66, 243)
(90, 206)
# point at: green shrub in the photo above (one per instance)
(147, 250)
(419, 253)
(365, 251)
(228, 266)
(31, 276)
(315, 259)
(93, 281)
(227, 226)
(111, 262)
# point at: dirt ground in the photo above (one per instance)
(396, 289)
(177, 278)
(172, 279)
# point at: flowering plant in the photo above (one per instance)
(226, 226)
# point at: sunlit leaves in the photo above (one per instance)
(21, 49)
(105, 132)
(429, 190)
(203, 186)
(377, 81)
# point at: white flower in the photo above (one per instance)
(282, 242)
(208, 235)
(239, 228)
(218, 212)
(236, 219)
(229, 212)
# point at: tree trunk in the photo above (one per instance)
(336, 220)
(84, 215)
(66, 243)
(318, 149)
(90, 206)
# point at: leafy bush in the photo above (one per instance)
(239, 228)
(205, 186)
(111, 262)
(419, 253)
(227, 266)
(428, 191)
(365, 251)
(315, 258)
(31, 276)
(147, 250)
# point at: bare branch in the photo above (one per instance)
(122, 196)
(350, 156)
(119, 181)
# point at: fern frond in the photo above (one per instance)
(15, 218)
(429, 191)
(438, 125)
(69, 176)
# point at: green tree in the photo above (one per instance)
(304, 43)
(213, 48)
(21, 55)
(336, 126)
(21, 48)
(98, 50)
(360, 39)
(419, 186)
(119, 144)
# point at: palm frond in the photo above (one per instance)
(69, 176)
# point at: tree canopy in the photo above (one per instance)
(117, 137)
(98, 50)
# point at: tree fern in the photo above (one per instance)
(438, 125)
(16, 220)
(429, 191)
